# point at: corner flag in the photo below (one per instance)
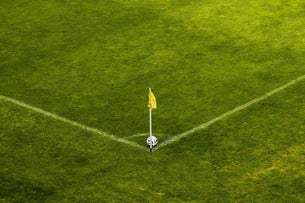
(152, 103)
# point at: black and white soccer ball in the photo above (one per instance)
(154, 141)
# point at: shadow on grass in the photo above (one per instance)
(22, 190)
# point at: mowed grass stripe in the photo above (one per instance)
(68, 121)
(228, 113)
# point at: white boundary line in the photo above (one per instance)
(137, 135)
(144, 134)
(167, 142)
(228, 113)
(73, 123)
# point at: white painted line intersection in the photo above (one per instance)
(164, 143)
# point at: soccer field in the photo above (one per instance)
(228, 76)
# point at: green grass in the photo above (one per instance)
(93, 61)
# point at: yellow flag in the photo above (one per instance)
(152, 103)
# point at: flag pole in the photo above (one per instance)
(150, 125)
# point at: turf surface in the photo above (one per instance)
(92, 62)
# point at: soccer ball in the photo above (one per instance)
(154, 141)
